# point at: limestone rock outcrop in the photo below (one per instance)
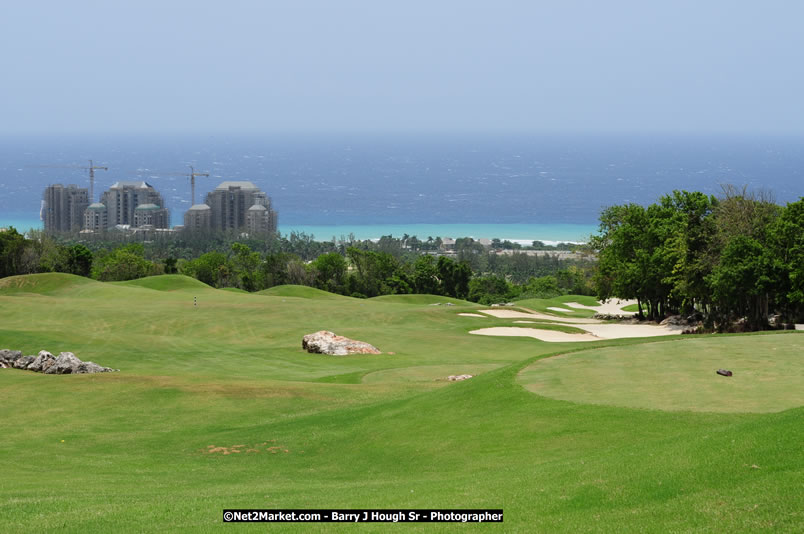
(64, 364)
(325, 342)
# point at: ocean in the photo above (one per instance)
(517, 187)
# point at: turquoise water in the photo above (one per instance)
(22, 225)
(523, 233)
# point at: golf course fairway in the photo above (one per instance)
(217, 406)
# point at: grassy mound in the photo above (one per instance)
(420, 300)
(303, 292)
(234, 290)
(44, 284)
(680, 375)
(166, 282)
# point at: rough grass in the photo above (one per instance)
(143, 449)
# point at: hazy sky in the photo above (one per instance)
(343, 65)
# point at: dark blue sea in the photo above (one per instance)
(511, 187)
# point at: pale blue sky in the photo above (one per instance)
(346, 65)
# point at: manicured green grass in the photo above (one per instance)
(166, 282)
(680, 375)
(633, 308)
(300, 292)
(580, 299)
(543, 305)
(362, 431)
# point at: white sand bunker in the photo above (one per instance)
(613, 307)
(529, 322)
(552, 336)
(618, 331)
(594, 332)
(472, 315)
(562, 310)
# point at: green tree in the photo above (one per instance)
(330, 269)
(12, 247)
(786, 242)
(489, 289)
(207, 268)
(79, 260)
(124, 263)
(425, 275)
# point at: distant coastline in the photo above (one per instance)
(521, 233)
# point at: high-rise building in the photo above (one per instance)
(198, 218)
(151, 215)
(230, 202)
(96, 217)
(63, 209)
(258, 220)
(123, 198)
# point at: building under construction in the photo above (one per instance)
(124, 205)
(63, 208)
(233, 206)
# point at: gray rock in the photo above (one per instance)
(42, 362)
(23, 362)
(674, 320)
(45, 362)
(65, 364)
(91, 367)
(325, 342)
(9, 356)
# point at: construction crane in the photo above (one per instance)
(92, 168)
(192, 176)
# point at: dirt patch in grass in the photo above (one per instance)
(266, 447)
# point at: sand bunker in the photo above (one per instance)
(617, 331)
(472, 315)
(562, 310)
(544, 335)
(613, 307)
(595, 332)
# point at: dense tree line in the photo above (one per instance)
(348, 267)
(739, 257)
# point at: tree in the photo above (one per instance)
(330, 269)
(207, 268)
(79, 260)
(124, 263)
(740, 281)
(245, 265)
(489, 289)
(12, 246)
(786, 242)
(425, 276)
